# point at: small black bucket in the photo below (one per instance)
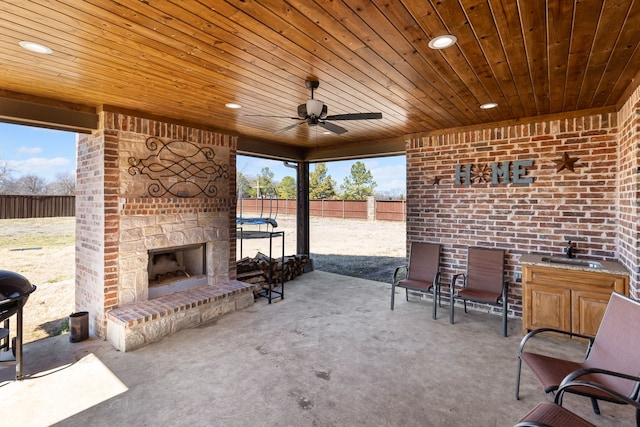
(79, 326)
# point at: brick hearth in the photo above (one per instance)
(134, 325)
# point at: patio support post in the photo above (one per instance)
(302, 209)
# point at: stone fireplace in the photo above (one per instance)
(154, 200)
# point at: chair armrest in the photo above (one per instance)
(436, 279)
(397, 271)
(587, 371)
(535, 332)
(454, 279)
(570, 381)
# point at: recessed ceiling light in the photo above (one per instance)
(488, 105)
(232, 105)
(35, 47)
(443, 42)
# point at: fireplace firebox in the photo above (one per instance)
(176, 269)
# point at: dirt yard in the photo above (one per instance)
(43, 250)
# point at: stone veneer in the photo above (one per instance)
(120, 215)
(134, 325)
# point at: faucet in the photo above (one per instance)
(570, 250)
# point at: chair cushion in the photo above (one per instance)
(550, 414)
(418, 285)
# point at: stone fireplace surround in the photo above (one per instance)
(122, 213)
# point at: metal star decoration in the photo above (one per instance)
(436, 180)
(566, 162)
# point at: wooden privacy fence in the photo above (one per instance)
(12, 206)
(386, 210)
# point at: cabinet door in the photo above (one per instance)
(587, 311)
(550, 308)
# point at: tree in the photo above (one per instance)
(359, 185)
(243, 185)
(7, 183)
(393, 194)
(264, 183)
(287, 188)
(321, 186)
(64, 185)
(32, 184)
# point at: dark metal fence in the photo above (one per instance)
(12, 206)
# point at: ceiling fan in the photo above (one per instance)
(314, 113)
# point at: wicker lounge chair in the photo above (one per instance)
(422, 274)
(483, 281)
(615, 348)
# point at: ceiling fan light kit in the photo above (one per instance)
(314, 108)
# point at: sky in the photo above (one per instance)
(28, 150)
(388, 172)
(45, 153)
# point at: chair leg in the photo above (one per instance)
(406, 291)
(435, 304)
(596, 408)
(504, 314)
(519, 369)
(452, 309)
(393, 294)
(465, 305)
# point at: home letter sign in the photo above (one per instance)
(501, 173)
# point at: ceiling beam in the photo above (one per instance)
(33, 114)
(380, 148)
(270, 150)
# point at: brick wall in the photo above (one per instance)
(90, 229)
(629, 189)
(536, 217)
(120, 214)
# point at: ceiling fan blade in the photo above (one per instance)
(274, 117)
(332, 128)
(355, 116)
(289, 127)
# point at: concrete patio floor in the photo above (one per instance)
(331, 353)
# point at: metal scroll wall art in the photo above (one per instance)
(179, 168)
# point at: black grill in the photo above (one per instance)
(14, 293)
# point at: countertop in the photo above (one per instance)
(613, 267)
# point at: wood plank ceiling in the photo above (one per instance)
(186, 59)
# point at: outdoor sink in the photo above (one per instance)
(572, 261)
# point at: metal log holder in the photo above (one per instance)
(267, 293)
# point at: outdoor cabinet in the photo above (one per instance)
(570, 300)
